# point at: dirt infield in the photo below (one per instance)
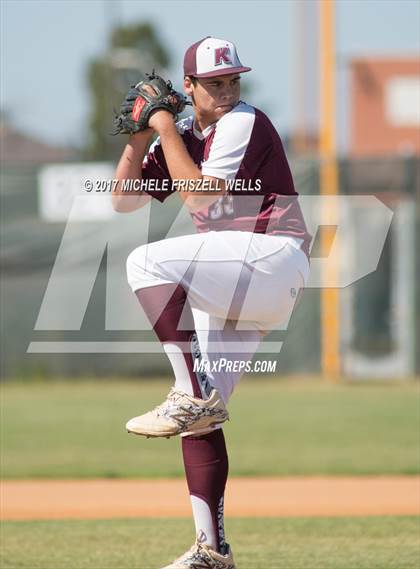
(276, 497)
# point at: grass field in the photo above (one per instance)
(303, 543)
(76, 429)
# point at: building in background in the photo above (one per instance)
(380, 329)
(385, 106)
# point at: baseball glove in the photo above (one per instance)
(139, 103)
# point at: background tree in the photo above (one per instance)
(133, 50)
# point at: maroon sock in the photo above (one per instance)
(164, 306)
(206, 468)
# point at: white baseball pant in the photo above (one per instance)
(239, 284)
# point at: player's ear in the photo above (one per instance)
(188, 86)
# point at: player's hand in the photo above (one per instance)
(161, 119)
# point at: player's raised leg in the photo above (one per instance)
(193, 406)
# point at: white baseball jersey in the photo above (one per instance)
(244, 149)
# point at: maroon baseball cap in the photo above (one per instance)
(210, 57)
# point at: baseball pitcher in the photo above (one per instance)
(216, 293)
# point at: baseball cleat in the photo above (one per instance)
(201, 556)
(181, 414)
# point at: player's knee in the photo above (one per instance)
(136, 264)
(137, 258)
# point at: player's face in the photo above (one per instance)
(213, 97)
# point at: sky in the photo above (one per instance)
(46, 46)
